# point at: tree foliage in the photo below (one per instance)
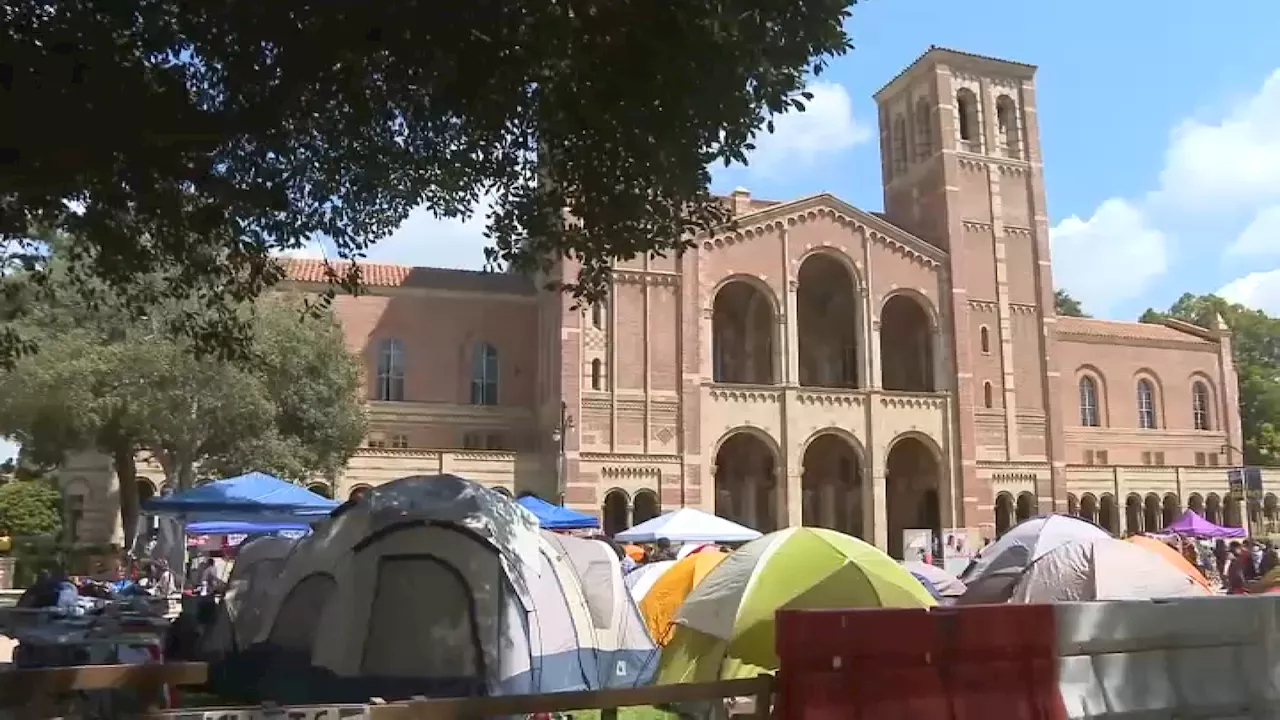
(106, 380)
(1256, 350)
(224, 131)
(30, 507)
(1064, 304)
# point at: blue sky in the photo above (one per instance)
(1160, 134)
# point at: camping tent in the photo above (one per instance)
(434, 585)
(993, 573)
(725, 628)
(946, 584)
(688, 525)
(640, 580)
(259, 561)
(668, 593)
(555, 517)
(255, 496)
(1102, 569)
(1171, 556)
(1195, 526)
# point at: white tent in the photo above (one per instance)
(434, 585)
(642, 578)
(1103, 569)
(688, 525)
(991, 576)
(258, 563)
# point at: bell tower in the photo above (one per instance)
(961, 166)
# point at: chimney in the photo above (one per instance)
(741, 201)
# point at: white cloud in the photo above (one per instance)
(801, 139)
(8, 449)
(424, 239)
(1259, 290)
(1215, 176)
(1262, 235)
(1233, 164)
(314, 250)
(1108, 258)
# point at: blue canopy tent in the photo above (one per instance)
(253, 497)
(227, 527)
(555, 517)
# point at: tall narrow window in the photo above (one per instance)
(924, 129)
(1007, 118)
(1089, 402)
(484, 375)
(596, 379)
(967, 109)
(987, 394)
(1200, 405)
(390, 371)
(984, 339)
(597, 314)
(899, 144)
(1146, 405)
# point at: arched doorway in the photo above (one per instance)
(1133, 513)
(913, 478)
(1172, 510)
(1073, 505)
(742, 335)
(321, 489)
(1151, 513)
(1213, 509)
(146, 489)
(906, 346)
(1004, 513)
(746, 482)
(357, 492)
(831, 486)
(1231, 516)
(1026, 507)
(1089, 508)
(827, 323)
(1108, 517)
(644, 506)
(1195, 504)
(615, 511)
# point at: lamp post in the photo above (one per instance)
(559, 435)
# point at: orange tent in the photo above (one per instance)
(1173, 557)
(663, 601)
(635, 552)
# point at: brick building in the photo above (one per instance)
(816, 363)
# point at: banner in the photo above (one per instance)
(1253, 483)
(1235, 483)
(917, 545)
(959, 546)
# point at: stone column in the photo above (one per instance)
(749, 493)
(875, 517)
(829, 511)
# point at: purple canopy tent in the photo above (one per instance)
(1192, 524)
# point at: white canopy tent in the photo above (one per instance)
(688, 525)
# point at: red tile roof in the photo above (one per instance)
(1093, 327)
(389, 276)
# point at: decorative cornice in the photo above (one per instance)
(984, 305)
(629, 458)
(630, 471)
(646, 277)
(830, 398)
(930, 402)
(975, 226)
(746, 394)
(825, 206)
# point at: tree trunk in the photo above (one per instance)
(126, 465)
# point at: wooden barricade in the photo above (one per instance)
(36, 693)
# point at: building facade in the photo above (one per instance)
(811, 362)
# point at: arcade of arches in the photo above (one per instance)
(1140, 513)
(621, 511)
(745, 338)
(835, 492)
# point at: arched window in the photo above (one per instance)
(1146, 405)
(484, 375)
(1200, 405)
(899, 144)
(1007, 118)
(984, 339)
(596, 380)
(924, 129)
(987, 394)
(597, 314)
(390, 371)
(967, 108)
(1089, 402)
